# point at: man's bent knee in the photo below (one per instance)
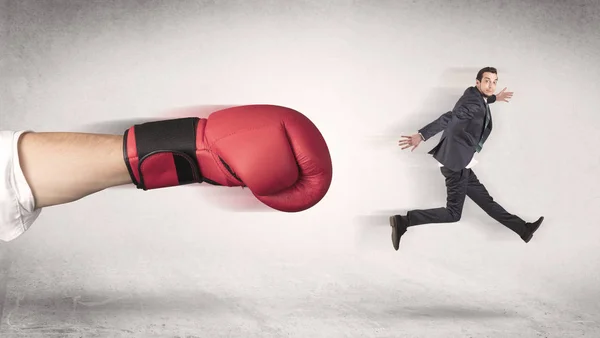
(454, 216)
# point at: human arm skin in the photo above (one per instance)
(62, 167)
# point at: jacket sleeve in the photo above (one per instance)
(436, 126)
(464, 111)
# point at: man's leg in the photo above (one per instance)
(456, 186)
(479, 194)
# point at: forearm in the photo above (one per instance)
(64, 167)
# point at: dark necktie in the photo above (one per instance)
(486, 130)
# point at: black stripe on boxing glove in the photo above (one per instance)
(162, 153)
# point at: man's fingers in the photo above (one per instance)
(408, 142)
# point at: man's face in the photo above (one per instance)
(487, 85)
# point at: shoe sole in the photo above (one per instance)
(395, 243)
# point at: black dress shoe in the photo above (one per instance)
(399, 225)
(531, 228)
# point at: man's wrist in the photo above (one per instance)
(422, 137)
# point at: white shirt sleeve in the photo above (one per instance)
(17, 204)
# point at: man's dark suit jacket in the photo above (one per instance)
(463, 128)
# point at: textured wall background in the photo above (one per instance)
(208, 262)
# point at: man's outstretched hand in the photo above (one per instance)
(410, 141)
(504, 95)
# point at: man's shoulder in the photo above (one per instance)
(471, 92)
(471, 95)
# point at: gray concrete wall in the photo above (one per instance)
(207, 262)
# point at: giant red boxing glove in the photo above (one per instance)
(277, 152)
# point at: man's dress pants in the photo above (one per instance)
(460, 184)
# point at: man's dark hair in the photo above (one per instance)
(486, 70)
